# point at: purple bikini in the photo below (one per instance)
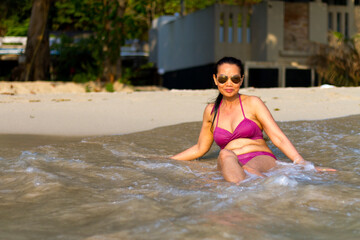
(245, 129)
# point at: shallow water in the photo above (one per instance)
(123, 187)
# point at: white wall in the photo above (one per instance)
(187, 42)
(275, 30)
(153, 36)
(318, 22)
(259, 32)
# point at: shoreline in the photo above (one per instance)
(96, 114)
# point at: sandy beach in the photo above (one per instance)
(67, 110)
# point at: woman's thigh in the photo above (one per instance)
(261, 163)
(229, 166)
(226, 157)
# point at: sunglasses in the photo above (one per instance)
(223, 79)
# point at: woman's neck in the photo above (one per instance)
(229, 102)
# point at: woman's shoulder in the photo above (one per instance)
(250, 99)
(209, 108)
(254, 104)
(209, 111)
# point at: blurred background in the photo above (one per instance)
(175, 43)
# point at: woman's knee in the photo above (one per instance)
(230, 167)
(225, 156)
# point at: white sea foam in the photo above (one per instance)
(281, 181)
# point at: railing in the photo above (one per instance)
(233, 24)
(13, 41)
(338, 19)
(12, 47)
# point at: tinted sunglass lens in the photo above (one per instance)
(235, 79)
(222, 79)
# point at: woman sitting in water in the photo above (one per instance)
(235, 122)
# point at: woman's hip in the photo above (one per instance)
(246, 157)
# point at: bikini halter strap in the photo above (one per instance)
(218, 113)
(242, 109)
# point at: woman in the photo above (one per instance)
(236, 122)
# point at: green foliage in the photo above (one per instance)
(16, 28)
(95, 15)
(107, 22)
(75, 60)
(87, 89)
(109, 87)
(339, 63)
(14, 17)
(173, 6)
(147, 65)
(128, 73)
(74, 15)
(142, 74)
(83, 77)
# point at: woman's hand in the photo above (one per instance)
(301, 161)
(325, 169)
(204, 142)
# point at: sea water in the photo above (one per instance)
(125, 187)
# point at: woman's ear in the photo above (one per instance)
(215, 80)
(242, 80)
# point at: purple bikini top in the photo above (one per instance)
(245, 129)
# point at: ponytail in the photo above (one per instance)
(216, 107)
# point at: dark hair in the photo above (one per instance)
(229, 60)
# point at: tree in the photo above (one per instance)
(113, 37)
(107, 20)
(37, 52)
(339, 62)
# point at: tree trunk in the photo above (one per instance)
(112, 49)
(37, 52)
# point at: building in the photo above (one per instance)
(273, 38)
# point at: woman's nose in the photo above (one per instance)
(228, 82)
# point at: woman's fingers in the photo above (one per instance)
(324, 169)
(310, 165)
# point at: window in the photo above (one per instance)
(248, 30)
(346, 25)
(239, 28)
(230, 29)
(336, 2)
(330, 21)
(221, 28)
(338, 22)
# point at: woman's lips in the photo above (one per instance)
(229, 90)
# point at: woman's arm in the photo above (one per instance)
(204, 142)
(271, 128)
(276, 135)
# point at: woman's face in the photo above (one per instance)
(229, 71)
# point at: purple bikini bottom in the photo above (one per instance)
(244, 158)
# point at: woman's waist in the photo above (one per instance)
(240, 146)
